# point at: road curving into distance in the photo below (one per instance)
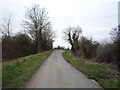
(56, 72)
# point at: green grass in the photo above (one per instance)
(94, 70)
(16, 73)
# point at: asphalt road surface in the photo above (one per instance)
(56, 72)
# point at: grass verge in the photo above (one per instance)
(16, 73)
(94, 70)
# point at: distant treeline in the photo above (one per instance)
(60, 47)
(88, 48)
(37, 36)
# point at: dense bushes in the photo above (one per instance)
(108, 52)
(87, 48)
(104, 52)
(16, 46)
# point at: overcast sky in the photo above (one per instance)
(95, 17)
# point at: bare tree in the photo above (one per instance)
(49, 36)
(35, 23)
(6, 26)
(73, 34)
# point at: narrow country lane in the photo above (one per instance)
(56, 72)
